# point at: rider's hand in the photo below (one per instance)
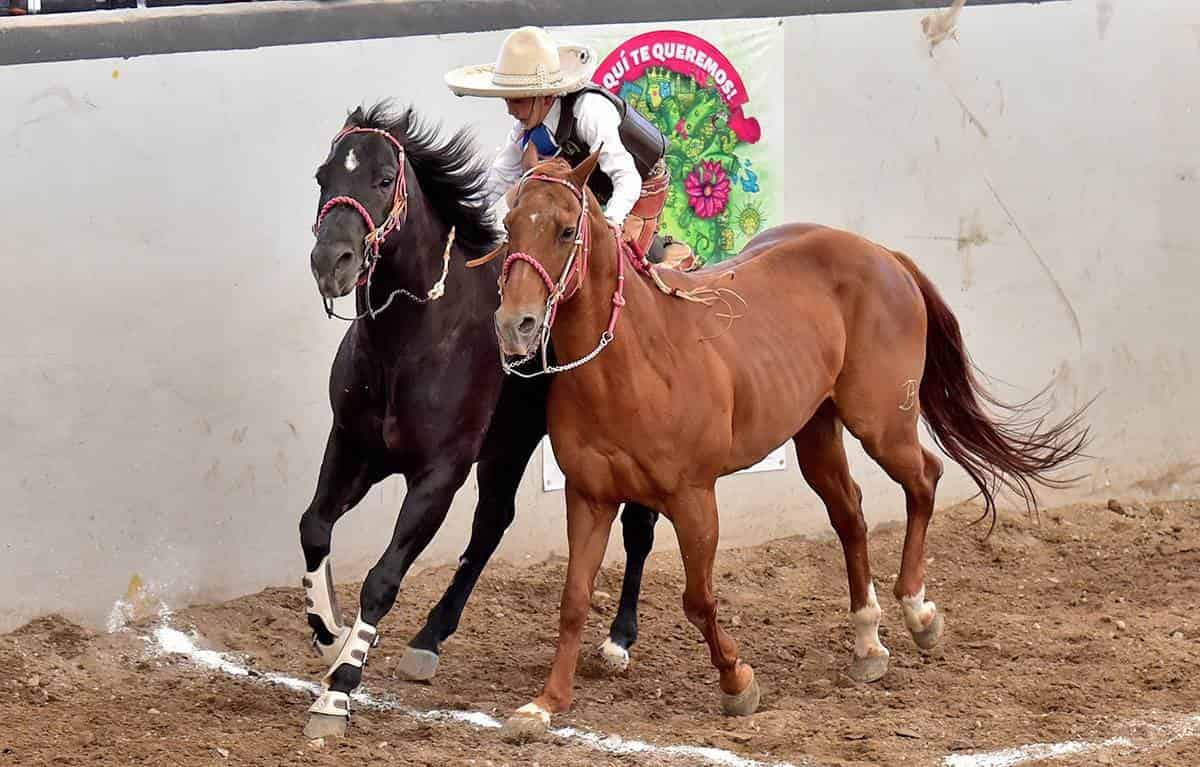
(631, 229)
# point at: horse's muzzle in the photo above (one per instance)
(517, 331)
(336, 267)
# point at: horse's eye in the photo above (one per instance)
(386, 182)
(568, 234)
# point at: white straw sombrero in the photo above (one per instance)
(529, 64)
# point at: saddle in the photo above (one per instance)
(669, 253)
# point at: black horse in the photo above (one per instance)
(417, 388)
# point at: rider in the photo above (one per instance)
(547, 91)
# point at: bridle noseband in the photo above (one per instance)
(376, 235)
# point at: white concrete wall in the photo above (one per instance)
(164, 356)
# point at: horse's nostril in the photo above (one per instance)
(527, 325)
(345, 259)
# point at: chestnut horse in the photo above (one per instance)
(808, 330)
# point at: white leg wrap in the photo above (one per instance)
(866, 627)
(320, 599)
(331, 703)
(918, 613)
(354, 651)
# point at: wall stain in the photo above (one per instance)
(1173, 475)
(281, 466)
(1104, 14)
(1062, 294)
(968, 115)
(970, 236)
(937, 27)
(213, 474)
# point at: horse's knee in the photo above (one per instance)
(850, 526)
(499, 513)
(932, 474)
(379, 592)
(312, 527)
(315, 534)
(699, 609)
(574, 610)
(921, 492)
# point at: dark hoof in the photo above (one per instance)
(745, 702)
(928, 638)
(417, 665)
(868, 669)
(326, 726)
(525, 727)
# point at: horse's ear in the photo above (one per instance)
(355, 118)
(583, 171)
(530, 158)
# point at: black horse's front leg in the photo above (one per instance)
(499, 476)
(345, 478)
(421, 515)
(637, 525)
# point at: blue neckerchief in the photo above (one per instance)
(542, 139)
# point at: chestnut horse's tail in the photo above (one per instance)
(1015, 449)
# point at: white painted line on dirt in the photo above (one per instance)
(171, 641)
(1012, 756)
(615, 744)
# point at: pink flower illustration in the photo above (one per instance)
(708, 189)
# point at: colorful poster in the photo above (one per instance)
(715, 90)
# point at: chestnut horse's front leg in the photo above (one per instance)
(588, 527)
(696, 527)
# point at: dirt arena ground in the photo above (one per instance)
(1080, 626)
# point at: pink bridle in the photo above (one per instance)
(574, 268)
(373, 241)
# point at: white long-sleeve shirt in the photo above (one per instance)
(597, 120)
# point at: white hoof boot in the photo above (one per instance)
(329, 652)
(354, 649)
(615, 656)
(321, 601)
(329, 716)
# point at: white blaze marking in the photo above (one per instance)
(866, 627)
(351, 161)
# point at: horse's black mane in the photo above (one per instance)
(449, 170)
